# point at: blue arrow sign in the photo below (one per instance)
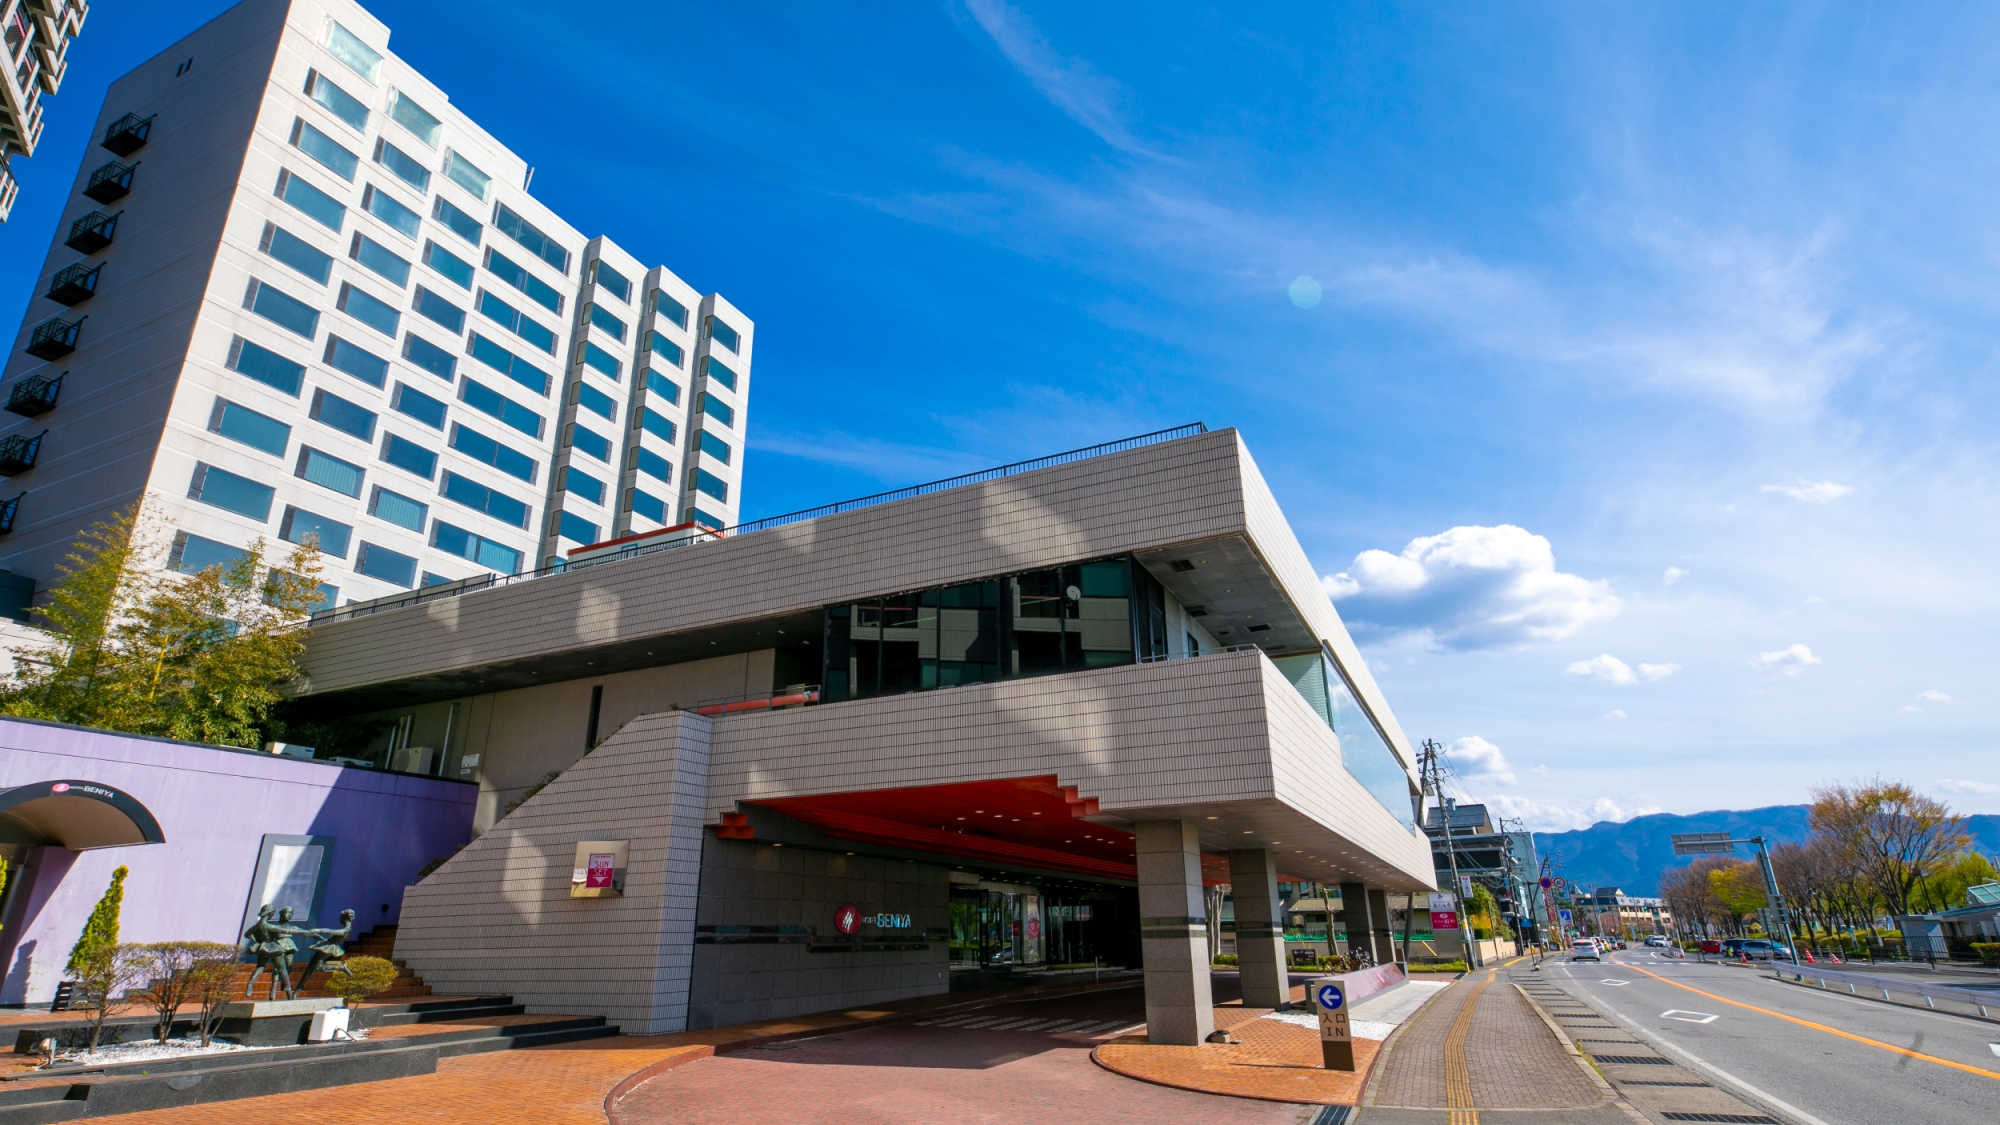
(1330, 997)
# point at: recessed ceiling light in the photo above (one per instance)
(1246, 832)
(777, 845)
(1215, 818)
(961, 818)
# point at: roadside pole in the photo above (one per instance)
(1431, 749)
(1706, 843)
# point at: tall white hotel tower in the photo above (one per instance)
(296, 292)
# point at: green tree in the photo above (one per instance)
(100, 579)
(1739, 887)
(1944, 888)
(100, 932)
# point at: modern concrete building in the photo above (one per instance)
(990, 726)
(1613, 913)
(305, 295)
(36, 34)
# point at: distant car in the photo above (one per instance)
(1757, 949)
(1584, 951)
(1711, 945)
(1657, 942)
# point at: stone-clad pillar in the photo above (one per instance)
(1173, 933)
(1385, 937)
(1260, 930)
(1354, 918)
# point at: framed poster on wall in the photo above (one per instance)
(291, 871)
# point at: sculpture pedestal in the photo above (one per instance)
(271, 1023)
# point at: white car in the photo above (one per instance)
(1657, 942)
(1584, 950)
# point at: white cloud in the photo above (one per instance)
(1469, 588)
(1673, 574)
(1815, 599)
(1617, 713)
(1475, 760)
(1607, 668)
(1654, 673)
(1909, 709)
(1982, 788)
(1072, 85)
(1820, 492)
(1934, 696)
(1554, 818)
(1791, 661)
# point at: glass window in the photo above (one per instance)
(716, 371)
(342, 415)
(400, 218)
(659, 425)
(726, 336)
(717, 409)
(283, 310)
(704, 519)
(465, 174)
(669, 309)
(466, 545)
(429, 356)
(646, 504)
(296, 252)
(192, 554)
(596, 401)
(266, 366)
(588, 440)
(664, 387)
(409, 456)
(572, 526)
(230, 492)
(478, 497)
(715, 447)
(457, 221)
(510, 318)
(403, 166)
(313, 203)
(490, 402)
(603, 361)
(485, 450)
(448, 264)
(1364, 753)
(343, 355)
(709, 484)
(328, 471)
(611, 281)
(439, 311)
(652, 464)
(390, 265)
(360, 58)
(331, 154)
(531, 238)
(331, 534)
(661, 346)
(393, 567)
(577, 481)
(337, 101)
(416, 119)
(377, 314)
(601, 318)
(258, 431)
(413, 403)
(538, 291)
(508, 364)
(398, 509)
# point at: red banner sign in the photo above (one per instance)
(1444, 920)
(598, 874)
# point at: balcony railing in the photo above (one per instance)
(111, 182)
(93, 232)
(17, 453)
(128, 134)
(9, 188)
(7, 510)
(74, 285)
(34, 396)
(54, 339)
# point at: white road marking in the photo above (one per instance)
(1685, 1016)
(1995, 1047)
(1690, 1056)
(1614, 981)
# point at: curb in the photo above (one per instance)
(1109, 1069)
(645, 1074)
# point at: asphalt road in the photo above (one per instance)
(1864, 1064)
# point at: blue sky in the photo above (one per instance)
(1639, 407)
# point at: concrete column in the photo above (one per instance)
(1260, 931)
(1385, 937)
(1173, 933)
(1354, 916)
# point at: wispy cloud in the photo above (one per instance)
(1611, 670)
(1476, 761)
(1617, 714)
(1812, 492)
(1982, 788)
(1673, 574)
(1933, 696)
(1791, 661)
(1072, 85)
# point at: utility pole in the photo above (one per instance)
(1435, 784)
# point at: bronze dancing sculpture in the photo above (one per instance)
(328, 947)
(266, 940)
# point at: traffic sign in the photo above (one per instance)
(1547, 882)
(1329, 996)
(1561, 882)
(1564, 915)
(1702, 843)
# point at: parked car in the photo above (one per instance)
(1711, 945)
(1757, 949)
(1584, 950)
(1656, 942)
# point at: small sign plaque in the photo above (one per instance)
(1336, 1034)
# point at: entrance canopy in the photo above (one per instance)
(78, 815)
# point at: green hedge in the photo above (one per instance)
(1989, 952)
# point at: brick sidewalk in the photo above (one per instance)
(1276, 1061)
(1480, 1045)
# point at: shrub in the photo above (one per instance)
(1225, 959)
(211, 972)
(100, 932)
(358, 978)
(1989, 952)
(104, 976)
(1437, 966)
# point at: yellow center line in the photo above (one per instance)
(1969, 1069)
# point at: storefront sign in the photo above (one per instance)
(1443, 920)
(847, 920)
(891, 921)
(598, 872)
(1443, 900)
(1336, 1034)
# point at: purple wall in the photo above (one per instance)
(214, 806)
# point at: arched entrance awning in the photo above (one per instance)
(78, 815)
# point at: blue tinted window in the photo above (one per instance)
(433, 307)
(399, 217)
(467, 175)
(646, 504)
(297, 253)
(611, 281)
(726, 336)
(407, 168)
(664, 387)
(230, 492)
(376, 314)
(283, 310)
(450, 265)
(258, 431)
(418, 405)
(537, 290)
(653, 465)
(717, 409)
(324, 149)
(392, 567)
(266, 366)
(668, 308)
(398, 509)
(661, 346)
(659, 426)
(704, 519)
(466, 545)
(409, 456)
(715, 447)
(531, 239)
(429, 356)
(590, 441)
(328, 471)
(596, 401)
(509, 364)
(419, 121)
(359, 57)
(333, 536)
(712, 485)
(488, 401)
(583, 484)
(576, 527)
(342, 355)
(602, 319)
(602, 360)
(337, 101)
(718, 372)
(381, 259)
(511, 318)
(191, 554)
(311, 202)
(484, 449)
(343, 415)
(457, 221)
(478, 497)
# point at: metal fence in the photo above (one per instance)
(1866, 984)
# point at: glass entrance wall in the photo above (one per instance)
(1037, 623)
(1061, 925)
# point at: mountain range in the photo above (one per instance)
(1632, 854)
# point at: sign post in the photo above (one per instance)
(1720, 843)
(1336, 1036)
